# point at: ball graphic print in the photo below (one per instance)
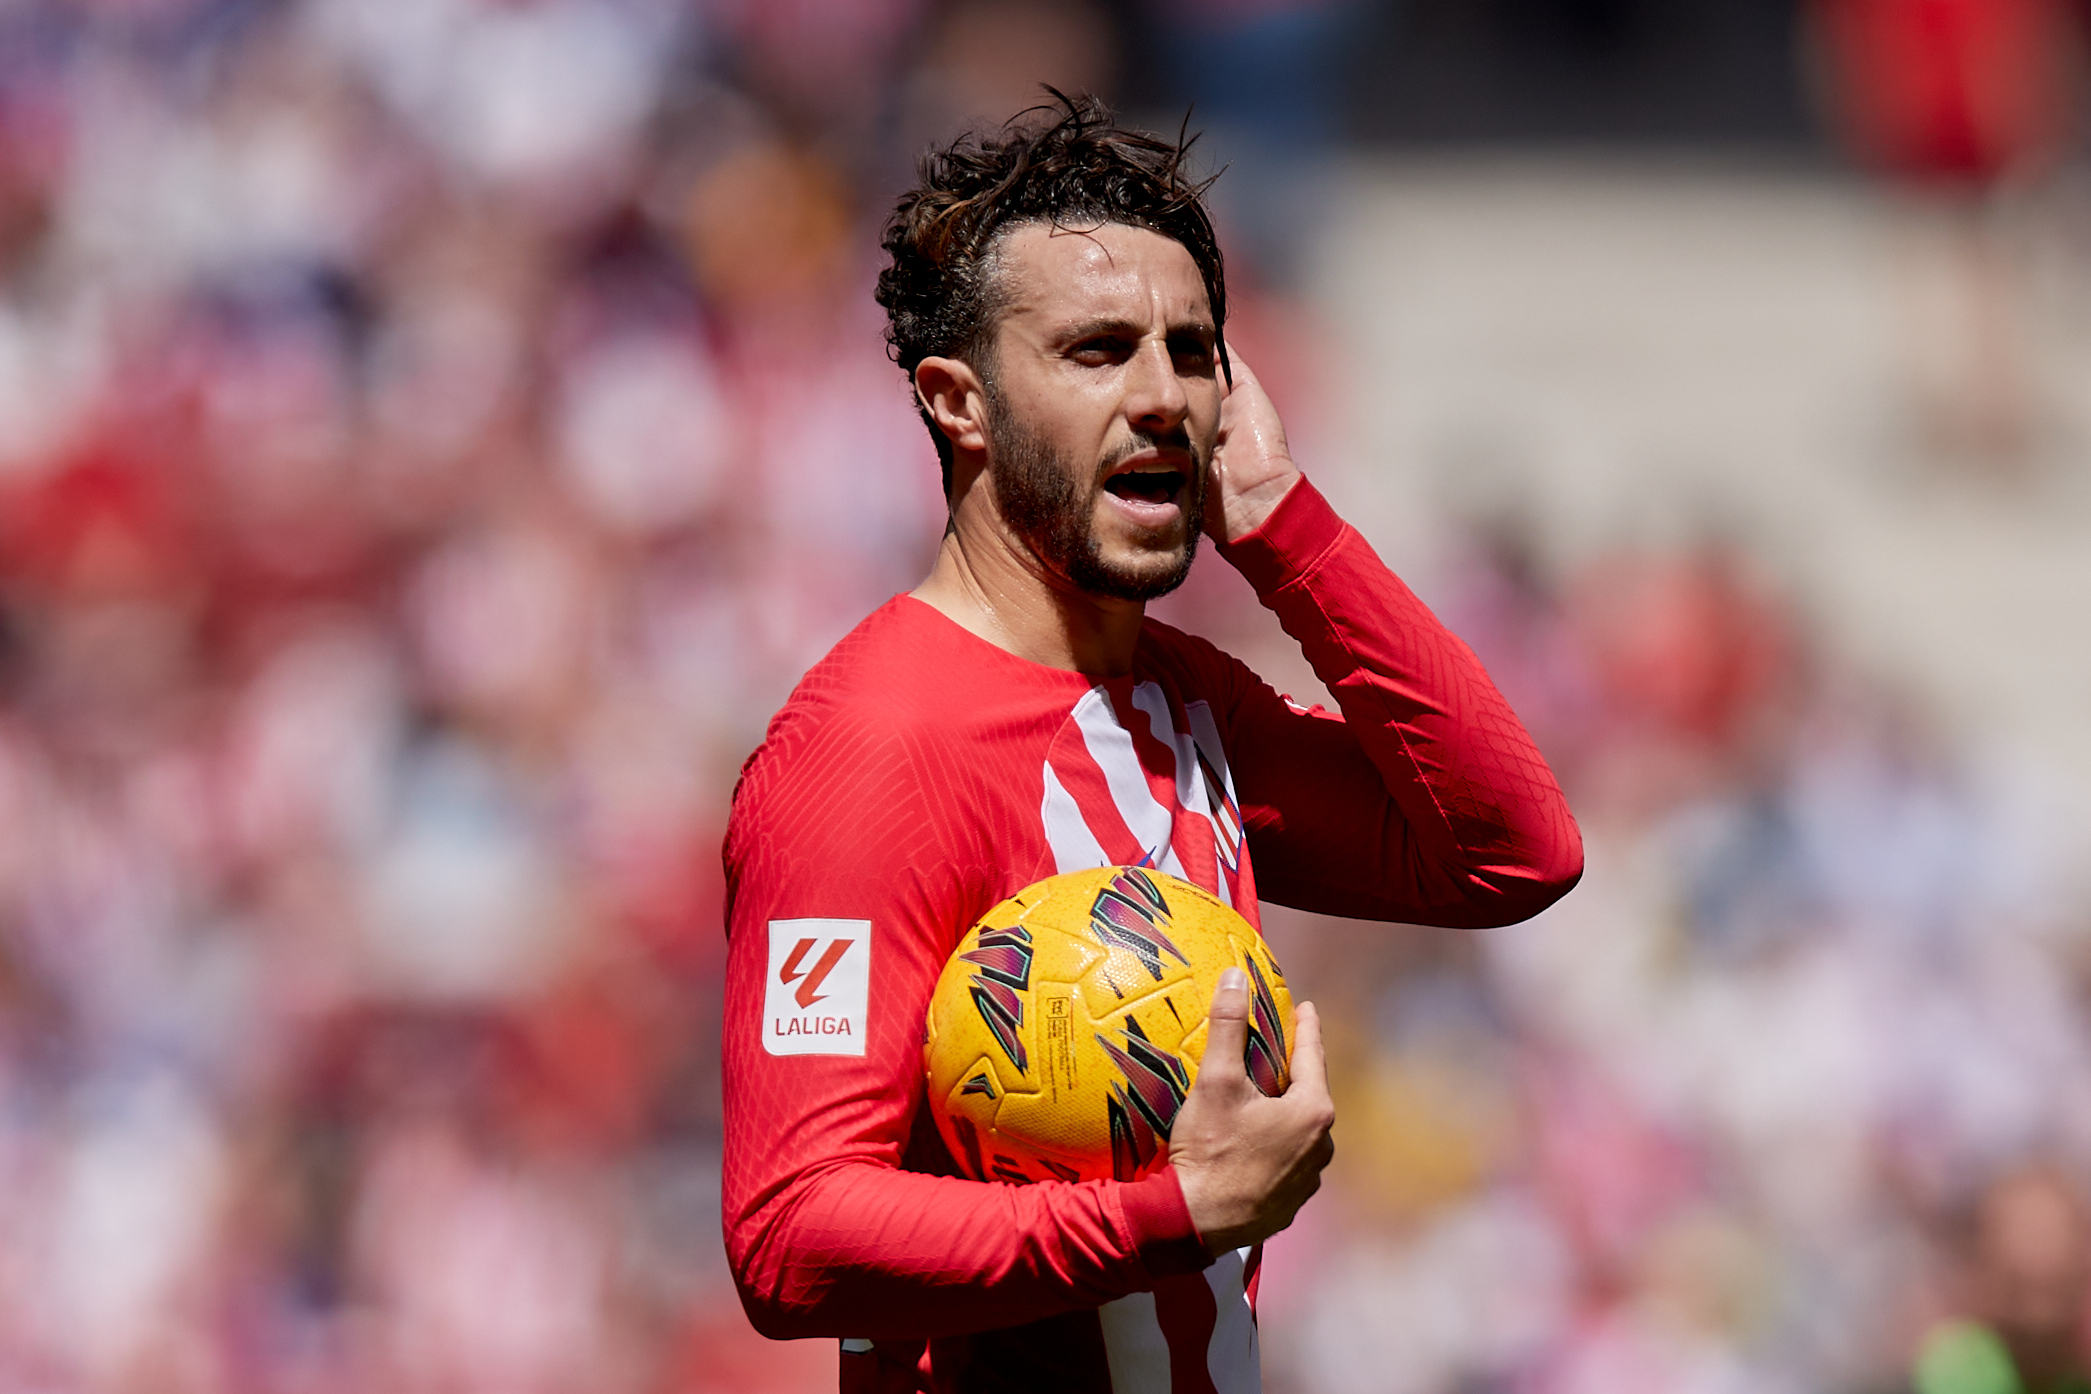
(1068, 1026)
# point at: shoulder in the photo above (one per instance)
(851, 710)
(867, 730)
(878, 781)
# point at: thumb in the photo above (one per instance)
(1226, 1034)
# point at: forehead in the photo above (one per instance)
(1106, 270)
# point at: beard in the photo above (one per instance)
(1041, 500)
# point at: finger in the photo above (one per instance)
(1226, 1033)
(1310, 1068)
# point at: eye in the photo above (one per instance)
(1100, 349)
(1191, 351)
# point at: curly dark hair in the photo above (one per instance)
(1075, 167)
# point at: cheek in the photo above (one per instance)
(1080, 423)
(1205, 421)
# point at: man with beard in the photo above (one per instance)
(1056, 297)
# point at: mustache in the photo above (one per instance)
(1139, 441)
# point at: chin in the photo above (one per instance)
(1148, 577)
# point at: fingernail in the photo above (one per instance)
(1234, 978)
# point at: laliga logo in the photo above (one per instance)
(809, 990)
(838, 982)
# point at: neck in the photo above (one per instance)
(989, 583)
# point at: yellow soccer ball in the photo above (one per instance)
(1067, 1028)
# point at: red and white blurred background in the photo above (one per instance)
(435, 434)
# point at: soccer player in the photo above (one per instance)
(1055, 296)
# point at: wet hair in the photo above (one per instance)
(1065, 164)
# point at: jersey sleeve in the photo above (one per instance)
(832, 1226)
(1426, 800)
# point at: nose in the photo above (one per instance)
(1155, 400)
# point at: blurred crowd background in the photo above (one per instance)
(435, 435)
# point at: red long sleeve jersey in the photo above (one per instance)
(919, 775)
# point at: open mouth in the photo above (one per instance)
(1146, 486)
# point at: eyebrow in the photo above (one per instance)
(1092, 328)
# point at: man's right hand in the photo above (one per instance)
(1248, 1162)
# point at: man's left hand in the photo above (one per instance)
(1252, 467)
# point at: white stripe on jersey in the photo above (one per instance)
(1075, 847)
(1190, 789)
(1205, 732)
(1233, 1356)
(1226, 821)
(1111, 746)
(1190, 780)
(1134, 1345)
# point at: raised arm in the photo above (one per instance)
(1427, 800)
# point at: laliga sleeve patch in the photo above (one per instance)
(819, 984)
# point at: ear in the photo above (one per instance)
(952, 393)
